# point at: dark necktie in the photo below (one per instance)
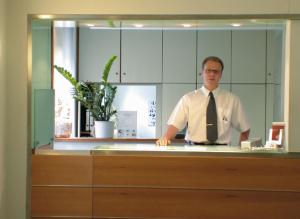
(211, 120)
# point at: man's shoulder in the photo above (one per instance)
(193, 94)
(228, 95)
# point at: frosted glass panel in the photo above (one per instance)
(43, 117)
(143, 100)
(41, 69)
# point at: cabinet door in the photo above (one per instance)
(253, 99)
(270, 107)
(171, 95)
(274, 105)
(275, 69)
(179, 56)
(248, 56)
(141, 56)
(96, 46)
(214, 43)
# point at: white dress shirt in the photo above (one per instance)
(191, 110)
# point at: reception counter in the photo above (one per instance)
(135, 146)
(140, 180)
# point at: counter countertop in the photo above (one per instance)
(176, 149)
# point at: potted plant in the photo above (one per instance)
(97, 98)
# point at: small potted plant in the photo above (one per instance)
(97, 98)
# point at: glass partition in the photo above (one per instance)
(167, 54)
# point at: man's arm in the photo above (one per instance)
(166, 139)
(244, 136)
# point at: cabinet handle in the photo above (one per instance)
(124, 73)
(117, 73)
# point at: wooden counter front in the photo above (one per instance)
(150, 186)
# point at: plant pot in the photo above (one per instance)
(104, 129)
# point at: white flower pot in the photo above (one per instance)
(104, 129)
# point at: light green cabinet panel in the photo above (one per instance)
(141, 55)
(275, 69)
(248, 56)
(41, 64)
(253, 100)
(96, 46)
(171, 94)
(179, 56)
(214, 43)
(41, 54)
(43, 117)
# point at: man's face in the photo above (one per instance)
(212, 73)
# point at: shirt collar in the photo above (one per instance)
(206, 91)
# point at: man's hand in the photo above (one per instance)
(170, 134)
(163, 142)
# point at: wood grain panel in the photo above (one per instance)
(61, 201)
(198, 172)
(61, 170)
(180, 203)
(61, 217)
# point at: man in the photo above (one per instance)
(209, 112)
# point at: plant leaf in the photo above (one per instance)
(107, 68)
(66, 74)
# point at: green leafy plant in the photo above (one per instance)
(97, 97)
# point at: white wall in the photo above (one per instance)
(2, 110)
(17, 154)
(16, 127)
(294, 90)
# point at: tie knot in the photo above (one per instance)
(211, 94)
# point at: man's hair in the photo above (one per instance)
(215, 59)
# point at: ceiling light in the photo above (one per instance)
(138, 25)
(90, 25)
(64, 24)
(186, 25)
(235, 24)
(45, 16)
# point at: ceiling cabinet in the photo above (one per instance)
(141, 56)
(179, 56)
(248, 56)
(214, 43)
(96, 46)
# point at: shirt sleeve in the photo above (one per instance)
(178, 117)
(239, 117)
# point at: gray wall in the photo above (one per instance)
(2, 110)
(17, 151)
